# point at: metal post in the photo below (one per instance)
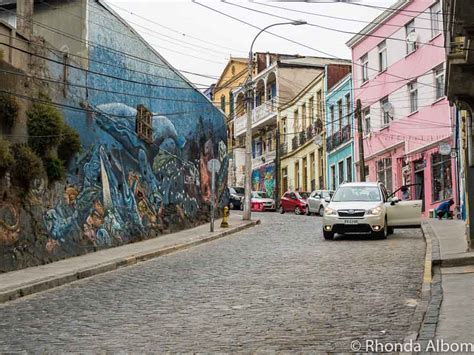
(248, 133)
(212, 200)
(358, 114)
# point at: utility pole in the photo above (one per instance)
(277, 165)
(358, 114)
(248, 145)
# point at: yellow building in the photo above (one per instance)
(302, 162)
(233, 76)
(301, 122)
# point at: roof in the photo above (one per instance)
(367, 183)
(377, 22)
(313, 61)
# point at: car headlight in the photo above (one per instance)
(375, 211)
(330, 212)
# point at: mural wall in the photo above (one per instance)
(263, 179)
(126, 184)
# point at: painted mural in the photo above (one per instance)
(263, 179)
(121, 187)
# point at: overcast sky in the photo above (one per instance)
(197, 39)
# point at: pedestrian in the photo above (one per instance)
(444, 209)
(405, 193)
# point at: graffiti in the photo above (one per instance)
(9, 225)
(263, 179)
(127, 189)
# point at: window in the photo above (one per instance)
(382, 56)
(305, 174)
(231, 103)
(349, 169)
(269, 146)
(331, 117)
(296, 127)
(341, 171)
(366, 122)
(441, 177)
(384, 172)
(333, 177)
(284, 129)
(384, 109)
(436, 19)
(303, 116)
(348, 109)
(223, 103)
(257, 148)
(364, 62)
(413, 90)
(410, 28)
(319, 99)
(297, 175)
(339, 112)
(439, 81)
(143, 124)
(284, 180)
(311, 109)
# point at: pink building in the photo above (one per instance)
(398, 72)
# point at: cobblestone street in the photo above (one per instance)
(277, 286)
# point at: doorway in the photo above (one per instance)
(419, 181)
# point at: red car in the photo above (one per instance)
(293, 201)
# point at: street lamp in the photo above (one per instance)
(248, 133)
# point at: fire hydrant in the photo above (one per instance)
(225, 218)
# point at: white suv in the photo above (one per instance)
(365, 207)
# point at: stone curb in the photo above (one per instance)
(427, 312)
(59, 280)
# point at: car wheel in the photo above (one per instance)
(383, 233)
(281, 209)
(390, 230)
(321, 211)
(297, 210)
(231, 206)
(328, 235)
(308, 212)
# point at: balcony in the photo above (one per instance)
(338, 138)
(266, 157)
(283, 148)
(260, 115)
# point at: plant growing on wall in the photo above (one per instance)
(27, 167)
(70, 144)
(45, 124)
(54, 169)
(6, 157)
(8, 110)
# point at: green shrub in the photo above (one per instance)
(70, 144)
(27, 166)
(45, 125)
(54, 169)
(6, 157)
(8, 110)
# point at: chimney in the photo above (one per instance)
(24, 17)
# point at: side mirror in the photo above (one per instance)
(327, 199)
(393, 200)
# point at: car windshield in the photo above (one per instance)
(357, 193)
(239, 190)
(327, 194)
(304, 194)
(258, 194)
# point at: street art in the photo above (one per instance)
(127, 189)
(263, 179)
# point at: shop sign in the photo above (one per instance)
(444, 149)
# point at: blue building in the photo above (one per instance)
(339, 132)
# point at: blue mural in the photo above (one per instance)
(121, 187)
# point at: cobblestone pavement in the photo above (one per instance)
(278, 286)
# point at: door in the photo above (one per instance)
(404, 213)
(314, 201)
(420, 188)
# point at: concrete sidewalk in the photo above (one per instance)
(455, 266)
(23, 282)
